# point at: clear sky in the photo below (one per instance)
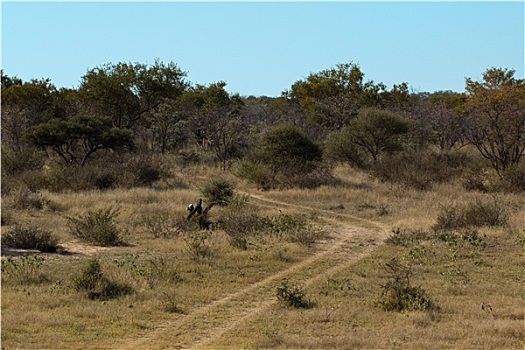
(263, 48)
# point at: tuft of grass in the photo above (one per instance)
(97, 227)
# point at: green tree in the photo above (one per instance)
(126, 92)
(77, 139)
(216, 121)
(377, 131)
(495, 110)
(287, 154)
(340, 146)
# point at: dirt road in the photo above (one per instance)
(348, 243)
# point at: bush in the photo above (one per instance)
(420, 171)
(160, 225)
(26, 236)
(474, 214)
(24, 198)
(399, 295)
(218, 190)
(406, 237)
(287, 154)
(96, 286)
(197, 245)
(97, 227)
(256, 173)
(293, 295)
(24, 270)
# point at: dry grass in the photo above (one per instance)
(228, 295)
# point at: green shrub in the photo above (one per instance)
(293, 295)
(24, 270)
(286, 223)
(256, 173)
(96, 286)
(218, 190)
(398, 294)
(197, 245)
(26, 236)
(97, 227)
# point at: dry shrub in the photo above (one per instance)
(474, 214)
(420, 170)
(293, 296)
(27, 236)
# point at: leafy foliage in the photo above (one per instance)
(26, 236)
(218, 190)
(97, 227)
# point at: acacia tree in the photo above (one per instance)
(377, 131)
(495, 110)
(78, 139)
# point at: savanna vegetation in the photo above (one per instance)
(345, 214)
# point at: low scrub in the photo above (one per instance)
(97, 227)
(399, 295)
(293, 296)
(96, 286)
(218, 190)
(420, 171)
(474, 214)
(405, 237)
(27, 236)
(24, 270)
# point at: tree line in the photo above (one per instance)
(331, 116)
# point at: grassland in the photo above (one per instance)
(192, 288)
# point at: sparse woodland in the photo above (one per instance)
(342, 214)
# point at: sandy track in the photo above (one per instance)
(200, 328)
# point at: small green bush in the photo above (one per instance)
(24, 270)
(218, 190)
(293, 295)
(97, 227)
(398, 294)
(27, 236)
(96, 286)
(197, 245)
(256, 173)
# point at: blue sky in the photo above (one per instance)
(263, 48)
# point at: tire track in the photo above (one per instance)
(209, 322)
